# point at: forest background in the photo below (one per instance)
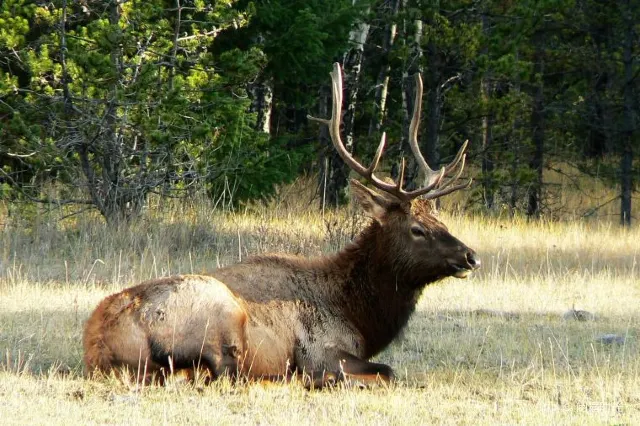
(104, 103)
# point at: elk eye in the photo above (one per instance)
(418, 231)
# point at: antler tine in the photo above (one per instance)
(445, 191)
(432, 177)
(401, 178)
(446, 187)
(334, 132)
(443, 187)
(460, 155)
(457, 175)
(376, 158)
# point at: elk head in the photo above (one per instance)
(407, 227)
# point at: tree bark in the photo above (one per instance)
(487, 146)
(338, 172)
(433, 106)
(352, 65)
(626, 161)
(261, 92)
(486, 91)
(327, 152)
(514, 142)
(414, 66)
(537, 129)
(382, 81)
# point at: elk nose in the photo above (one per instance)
(473, 260)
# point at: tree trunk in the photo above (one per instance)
(598, 143)
(261, 92)
(537, 129)
(413, 67)
(514, 141)
(338, 172)
(382, 82)
(433, 106)
(487, 145)
(327, 152)
(626, 161)
(486, 91)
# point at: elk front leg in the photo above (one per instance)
(344, 366)
(365, 372)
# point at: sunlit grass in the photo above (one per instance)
(494, 348)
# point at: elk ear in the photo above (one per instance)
(374, 204)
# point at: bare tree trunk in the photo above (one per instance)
(537, 128)
(326, 150)
(261, 92)
(433, 107)
(626, 161)
(486, 91)
(514, 142)
(352, 66)
(338, 172)
(413, 67)
(486, 87)
(382, 82)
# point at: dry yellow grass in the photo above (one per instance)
(494, 348)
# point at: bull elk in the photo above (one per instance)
(273, 316)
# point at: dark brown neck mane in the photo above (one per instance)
(380, 291)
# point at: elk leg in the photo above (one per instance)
(223, 352)
(230, 361)
(364, 372)
(221, 361)
(348, 367)
(319, 380)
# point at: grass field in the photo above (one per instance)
(494, 348)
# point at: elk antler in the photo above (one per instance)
(431, 176)
(433, 179)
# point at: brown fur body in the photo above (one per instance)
(274, 315)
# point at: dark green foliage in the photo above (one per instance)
(126, 100)
(145, 99)
(302, 38)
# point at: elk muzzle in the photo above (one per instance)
(471, 262)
